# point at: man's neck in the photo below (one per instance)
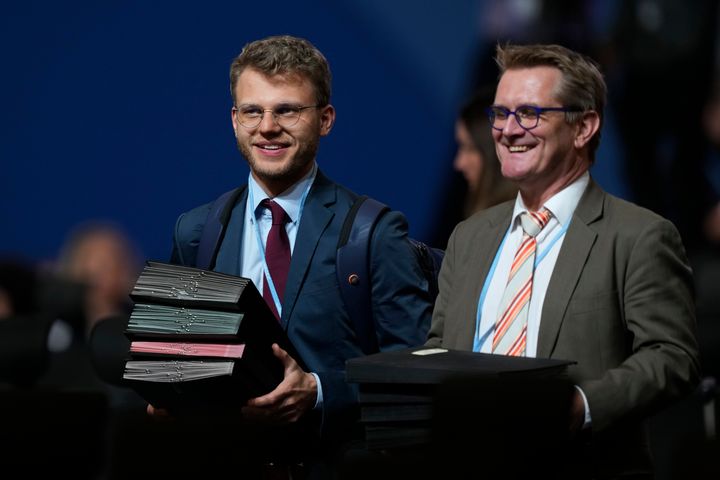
(534, 196)
(275, 186)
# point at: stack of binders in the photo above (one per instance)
(201, 340)
(399, 390)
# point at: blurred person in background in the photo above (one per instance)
(476, 158)
(103, 258)
(477, 182)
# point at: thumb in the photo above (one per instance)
(288, 362)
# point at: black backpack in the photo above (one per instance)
(352, 261)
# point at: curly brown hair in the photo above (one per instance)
(285, 55)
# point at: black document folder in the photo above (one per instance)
(399, 390)
(164, 283)
(431, 366)
(396, 412)
(387, 435)
(187, 320)
(182, 385)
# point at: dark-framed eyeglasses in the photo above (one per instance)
(250, 116)
(527, 116)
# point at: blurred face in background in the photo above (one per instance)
(468, 160)
(103, 260)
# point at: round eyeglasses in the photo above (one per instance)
(250, 116)
(527, 116)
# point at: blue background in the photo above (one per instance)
(120, 110)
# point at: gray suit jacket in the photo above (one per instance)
(619, 303)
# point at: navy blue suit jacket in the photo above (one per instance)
(313, 313)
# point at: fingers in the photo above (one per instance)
(288, 362)
(269, 400)
(157, 412)
(577, 413)
(275, 415)
(282, 355)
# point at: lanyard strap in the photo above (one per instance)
(261, 246)
(479, 340)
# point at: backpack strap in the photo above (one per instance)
(214, 229)
(353, 267)
(430, 260)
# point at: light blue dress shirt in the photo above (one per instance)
(251, 261)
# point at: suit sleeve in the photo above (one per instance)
(401, 304)
(435, 335)
(401, 308)
(186, 236)
(659, 317)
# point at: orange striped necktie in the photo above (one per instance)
(510, 335)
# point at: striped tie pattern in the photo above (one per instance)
(510, 335)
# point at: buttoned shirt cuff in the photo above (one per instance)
(588, 419)
(319, 400)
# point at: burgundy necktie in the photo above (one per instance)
(277, 253)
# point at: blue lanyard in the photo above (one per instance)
(479, 340)
(261, 246)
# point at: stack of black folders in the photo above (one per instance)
(200, 341)
(404, 393)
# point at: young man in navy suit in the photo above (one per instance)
(281, 108)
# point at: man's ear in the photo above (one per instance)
(327, 119)
(233, 119)
(587, 128)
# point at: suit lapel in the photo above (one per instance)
(316, 217)
(228, 260)
(484, 246)
(570, 264)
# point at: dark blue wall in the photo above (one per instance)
(119, 110)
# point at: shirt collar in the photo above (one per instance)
(290, 199)
(562, 205)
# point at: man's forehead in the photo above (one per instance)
(281, 78)
(528, 85)
(252, 81)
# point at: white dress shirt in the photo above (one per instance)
(549, 241)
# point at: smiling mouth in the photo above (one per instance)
(270, 146)
(518, 148)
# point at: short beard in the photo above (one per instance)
(291, 172)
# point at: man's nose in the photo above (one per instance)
(512, 126)
(268, 122)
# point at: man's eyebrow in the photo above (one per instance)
(277, 105)
(288, 104)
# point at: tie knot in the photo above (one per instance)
(533, 222)
(279, 216)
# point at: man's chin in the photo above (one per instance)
(274, 172)
(515, 171)
(281, 176)
(271, 169)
